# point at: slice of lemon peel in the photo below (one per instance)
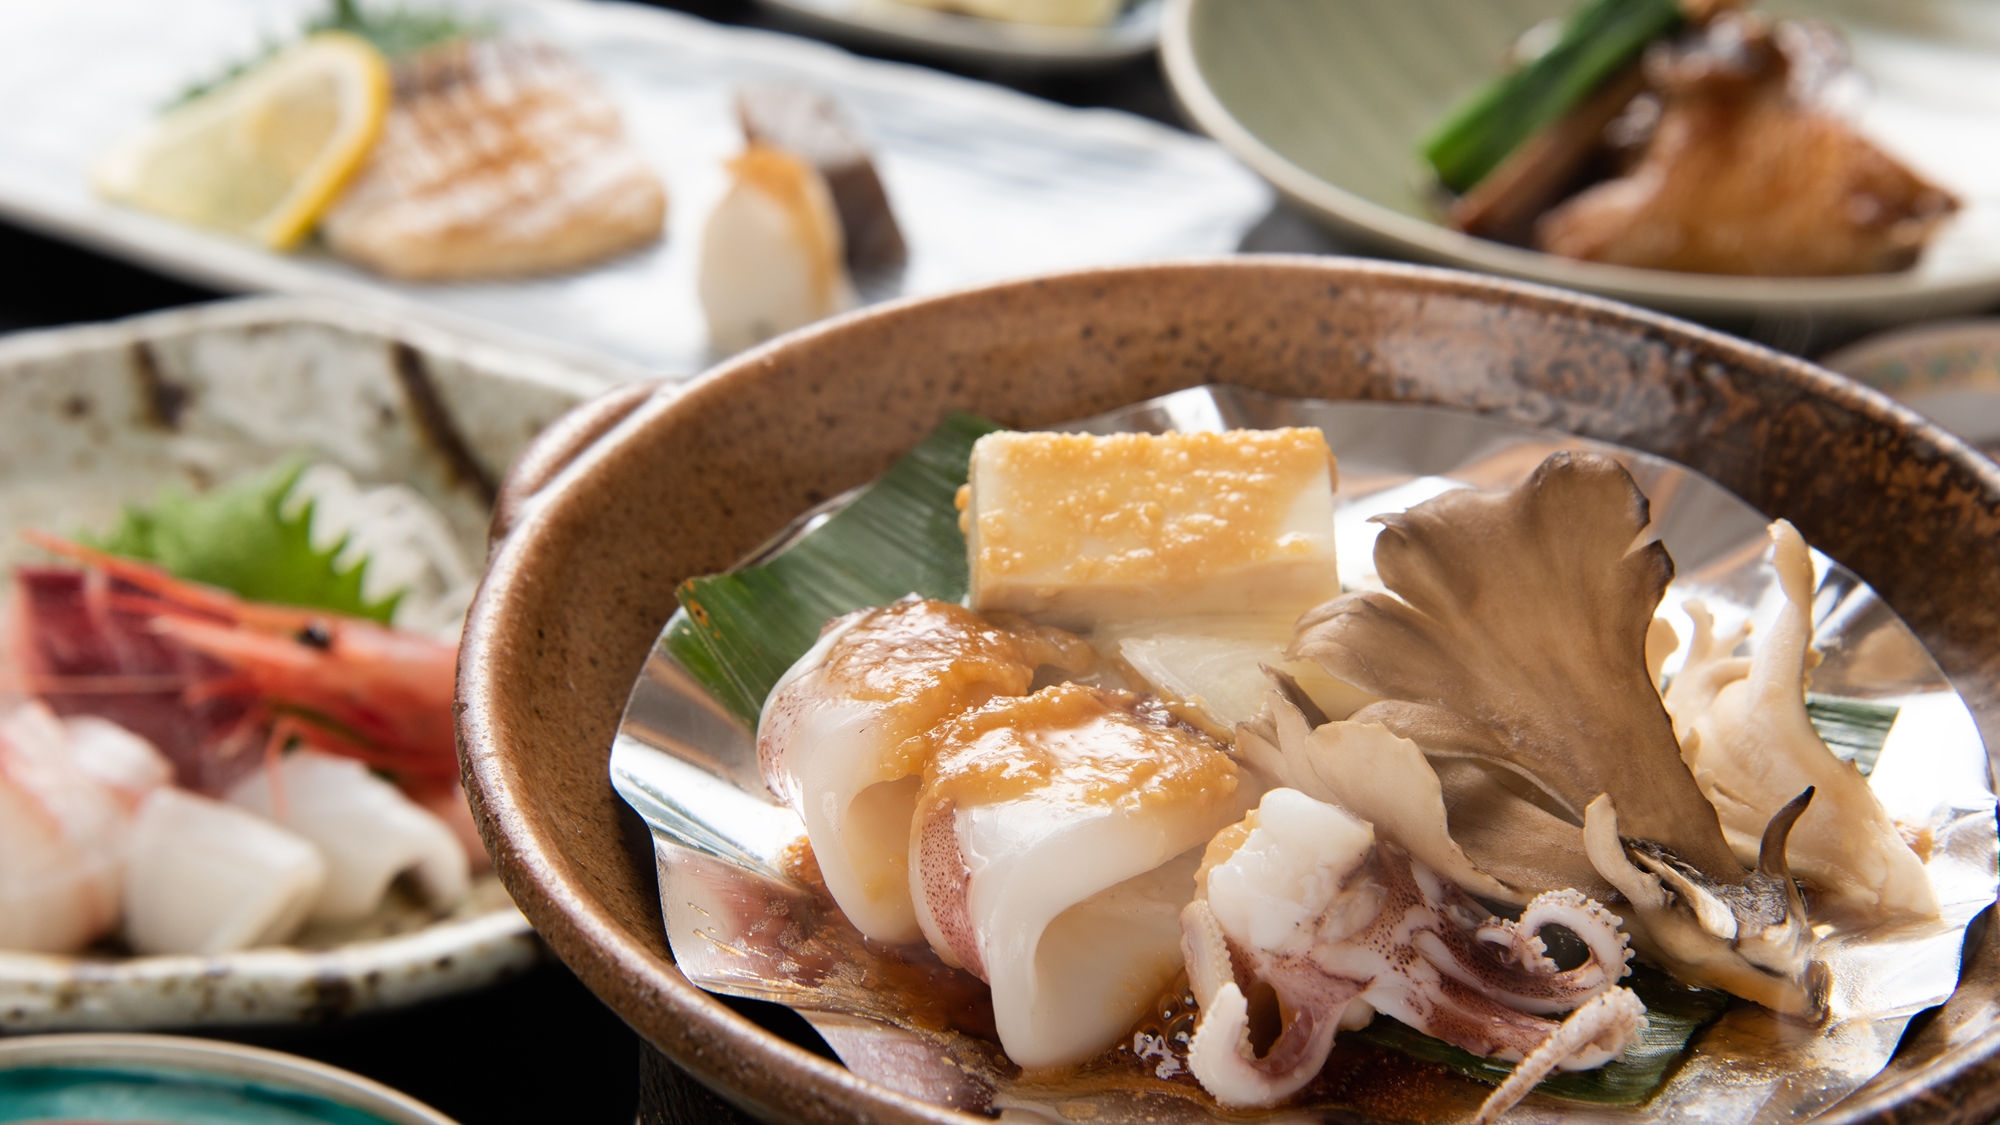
(262, 156)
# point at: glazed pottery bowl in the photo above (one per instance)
(632, 493)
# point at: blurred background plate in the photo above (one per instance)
(891, 23)
(1949, 370)
(987, 183)
(91, 418)
(1327, 100)
(167, 1080)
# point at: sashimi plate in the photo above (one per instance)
(94, 417)
(986, 183)
(742, 922)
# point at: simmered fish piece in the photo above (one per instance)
(499, 158)
(1745, 175)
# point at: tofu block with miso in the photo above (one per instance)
(1080, 530)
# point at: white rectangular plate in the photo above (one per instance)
(987, 183)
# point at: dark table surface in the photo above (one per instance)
(541, 1048)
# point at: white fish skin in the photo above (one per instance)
(365, 828)
(207, 877)
(62, 837)
(123, 762)
(772, 253)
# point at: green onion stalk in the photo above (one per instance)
(1597, 40)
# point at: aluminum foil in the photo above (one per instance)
(746, 917)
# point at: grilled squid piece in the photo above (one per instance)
(1752, 748)
(1511, 649)
(845, 735)
(1055, 842)
(1301, 910)
(1045, 842)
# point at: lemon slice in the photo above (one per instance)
(264, 155)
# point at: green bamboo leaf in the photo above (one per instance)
(1598, 38)
(738, 632)
(1854, 729)
(1674, 1013)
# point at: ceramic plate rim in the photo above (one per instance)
(238, 1061)
(1134, 34)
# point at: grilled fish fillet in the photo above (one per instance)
(499, 158)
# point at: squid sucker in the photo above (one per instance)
(1301, 909)
(1511, 652)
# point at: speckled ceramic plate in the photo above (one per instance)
(1327, 100)
(892, 23)
(93, 417)
(168, 1080)
(1949, 371)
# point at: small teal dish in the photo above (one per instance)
(168, 1080)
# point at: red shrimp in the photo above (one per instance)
(341, 684)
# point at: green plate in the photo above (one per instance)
(167, 1080)
(1327, 99)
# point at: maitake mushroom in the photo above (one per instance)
(1512, 655)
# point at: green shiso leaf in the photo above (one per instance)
(239, 538)
(1854, 729)
(1674, 1013)
(1597, 39)
(395, 32)
(738, 632)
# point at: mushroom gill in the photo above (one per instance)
(1515, 639)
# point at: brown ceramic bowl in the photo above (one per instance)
(649, 485)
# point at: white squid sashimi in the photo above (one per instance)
(1301, 909)
(1753, 748)
(62, 836)
(843, 737)
(1050, 858)
(123, 762)
(365, 829)
(207, 877)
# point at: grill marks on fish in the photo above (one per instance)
(498, 158)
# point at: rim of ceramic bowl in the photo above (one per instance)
(776, 1079)
(212, 1058)
(1864, 298)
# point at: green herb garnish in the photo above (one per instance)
(1596, 40)
(395, 32)
(239, 538)
(739, 632)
